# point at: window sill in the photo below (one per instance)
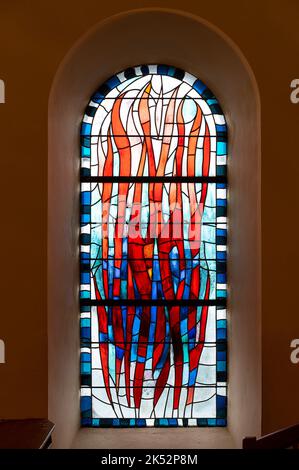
(153, 438)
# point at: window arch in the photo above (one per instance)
(153, 252)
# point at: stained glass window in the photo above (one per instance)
(153, 252)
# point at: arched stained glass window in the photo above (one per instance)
(153, 252)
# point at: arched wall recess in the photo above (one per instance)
(209, 54)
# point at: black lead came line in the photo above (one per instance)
(157, 302)
(154, 136)
(154, 179)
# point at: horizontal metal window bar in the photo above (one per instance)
(213, 385)
(155, 136)
(153, 302)
(150, 97)
(126, 258)
(116, 343)
(154, 179)
(154, 223)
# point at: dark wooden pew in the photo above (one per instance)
(286, 438)
(25, 433)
